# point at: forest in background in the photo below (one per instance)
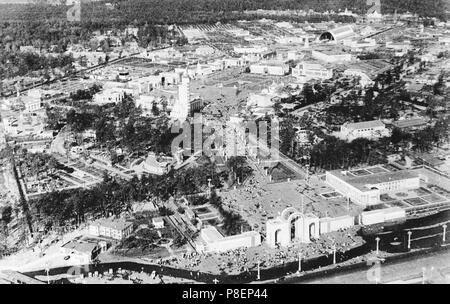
(189, 11)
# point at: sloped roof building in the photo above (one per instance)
(338, 33)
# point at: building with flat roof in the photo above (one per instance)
(365, 186)
(31, 103)
(158, 222)
(109, 227)
(367, 70)
(332, 56)
(153, 164)
(270, 68)
(109, 96)
(306, 71)
(84, 251)
(211, 240)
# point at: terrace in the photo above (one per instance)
(425, 198)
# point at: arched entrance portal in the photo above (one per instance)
(293, 220)
(277, 237)
(312, 230)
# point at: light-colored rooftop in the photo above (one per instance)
(364, 183)
(83, 247)
(211, 234)
(364, 124)
(408, 123)
(157, 220)
(118, 224)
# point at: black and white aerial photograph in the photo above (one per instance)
(223, 148)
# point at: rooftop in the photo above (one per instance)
(158, 220)
(83, 247)
(364, 124)
(211, 234)
(118, 224)
(408, 123)
(364, 182)
(371, 68)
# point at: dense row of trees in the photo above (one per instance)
(86, 94)
(233, 223)
(121, 125)
(45, 27)
(333, 153)
(180, 11)
(14, 63)
(37, 164)
(386, 99)
(237, 165)
(115, 196)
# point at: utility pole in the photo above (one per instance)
(445, 230)
(258, 275)
(334, 254)
(47, 270)
(299, 261)
(409, 239)
(378, 242)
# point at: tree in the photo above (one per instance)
(6, 214)
(155, 110)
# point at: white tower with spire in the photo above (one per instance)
(181, 107)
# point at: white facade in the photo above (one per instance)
(158, 222)
(250, 49)
(205, 50)
(212, 241)
(146, 84)
(364, 79)
(180, 109)
(332, 57)
(32, 103)
(154, 164)
(289, 39)
(278, 69)
(109, 96)
(366, 190)
(305, 226)
(329, 224)
(113, 228)
(360, 45)
(309, 71)
(232, 62)
(374, 17)
(382, 215)
(368, 129)
(338, 34)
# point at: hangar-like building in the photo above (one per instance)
(338, 33)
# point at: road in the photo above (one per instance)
(436, 264)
